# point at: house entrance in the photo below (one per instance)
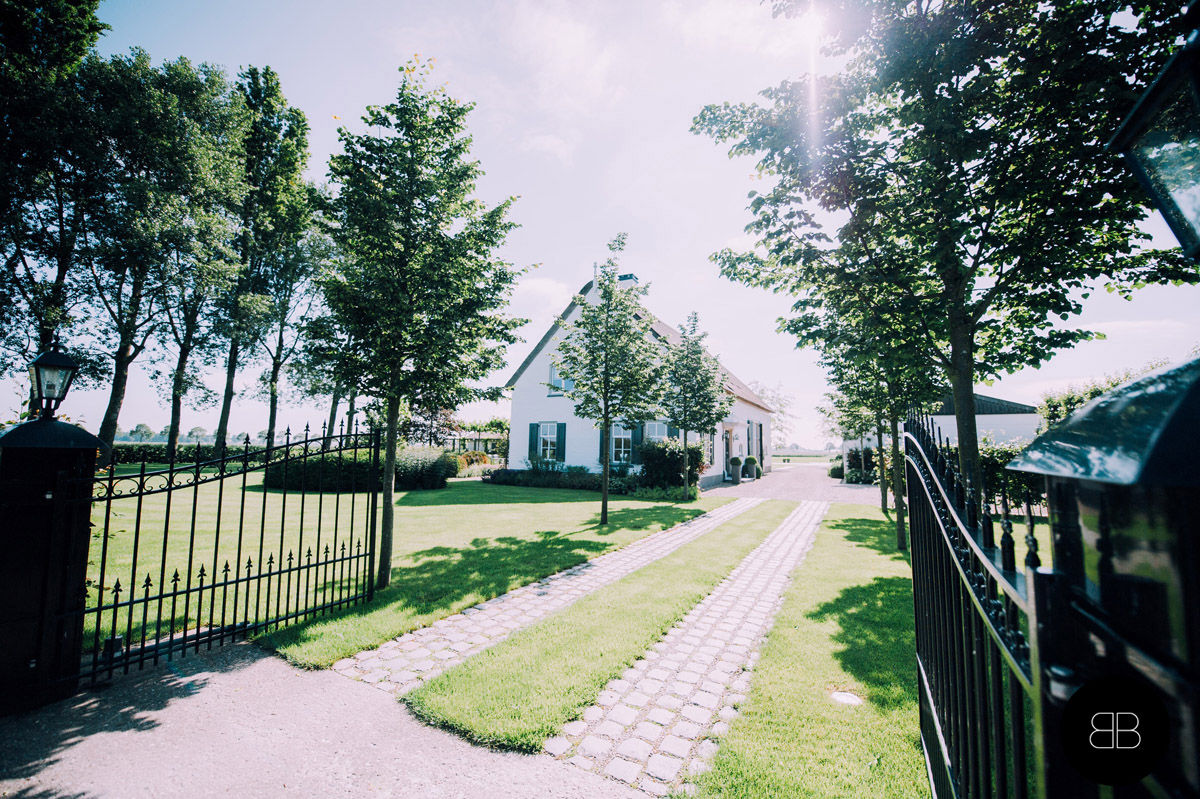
(727, 442)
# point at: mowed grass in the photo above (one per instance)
(470, 542)
(846, 624)
(520, 692)
(211, 525)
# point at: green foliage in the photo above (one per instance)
(1058, 405)
(424, 468)
(964, 245)
(608, 355)
(573, 477)
(693, 389)
(662, 463)
(837, 471)
(334, 473)
(471, 457)
(673, 493)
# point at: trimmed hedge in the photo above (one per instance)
(579, 479)
(341, 471)
(836, 471)
(424, 468)
(157, 453)
(662, 463)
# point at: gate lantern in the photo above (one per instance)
(1123, 484)
(44, 531)
(1160, 139)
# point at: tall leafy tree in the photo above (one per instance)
(50, 175)
(693, 388)
(171, 133)
(271, 218)
(289, 286)
(608, 354)
(965, 144)
(418, 287)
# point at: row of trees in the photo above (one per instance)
(617, 373)
(163, 209)
(963, 150)
(150, 211)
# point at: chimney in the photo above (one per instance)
(628, 276)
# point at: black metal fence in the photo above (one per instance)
(199, 554)
(980, 620)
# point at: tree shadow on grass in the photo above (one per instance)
(876, 635)
(442, 577)
(872, 533)
(640, 518)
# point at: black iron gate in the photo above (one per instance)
(200, 553)
(981, 631)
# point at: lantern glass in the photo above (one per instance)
(1168, 153)
(53, 381)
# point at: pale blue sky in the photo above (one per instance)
(583, 110)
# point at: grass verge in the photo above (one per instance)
(846, 624)
(472, 541)
(520, 692)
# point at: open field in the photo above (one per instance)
(846, 625)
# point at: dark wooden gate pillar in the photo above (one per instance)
(46, 468)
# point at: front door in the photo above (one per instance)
(727, 441)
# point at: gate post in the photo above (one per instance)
(46, 468)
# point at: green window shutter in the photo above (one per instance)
(637, 436)
(533, 441)
(560, 445)
(672, 432)
(603, 454)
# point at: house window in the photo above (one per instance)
(548, 441)
(710, 446)
(656, 431)
(557, 384)
(622, 444)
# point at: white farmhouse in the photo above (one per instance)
(544, 423)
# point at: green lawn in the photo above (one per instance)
(453, 548)
(846, 625)
(520, 692)
(470, 542)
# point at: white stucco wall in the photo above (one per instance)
(532, 402)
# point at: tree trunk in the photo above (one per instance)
(231, 365)
(350, 411)
(879, 468)
(384, 574)
(687, 486)
(116, 396)
(177, 386)
(962, 382)
(273, 399)
(898, 484)
(604, 470)
(333, 406)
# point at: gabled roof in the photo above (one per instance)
(984, 406)
(661, 332)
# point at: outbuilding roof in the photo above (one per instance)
(984, 406)
(661, 332)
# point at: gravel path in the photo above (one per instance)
(799, 481)
(402, 664)
(658, 722)
(241, 723)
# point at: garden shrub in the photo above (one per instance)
(471, 457)
(349, 470)
(424, 468)
(854, 459)
(673, 494)
(662, 463)
(836, 471)
(576, 477)
(750, 467)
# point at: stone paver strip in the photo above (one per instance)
(400, 665)
(694, 677)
